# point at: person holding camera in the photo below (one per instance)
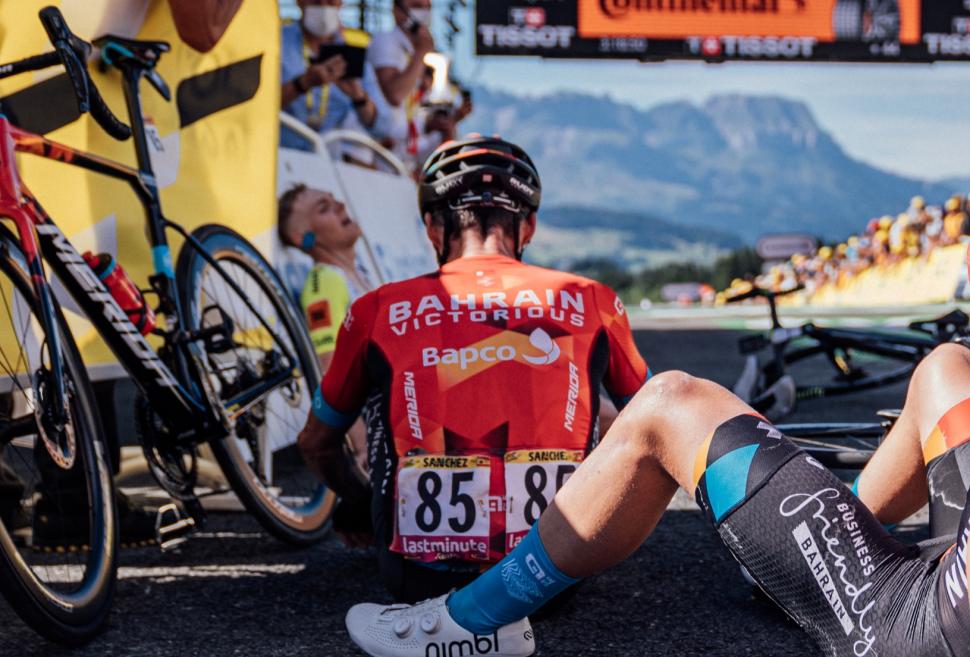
(320, 84)
(398, 60)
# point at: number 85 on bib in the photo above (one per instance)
(442, 507)
(532, 479)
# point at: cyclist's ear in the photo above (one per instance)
(436, 233)
(527, 229)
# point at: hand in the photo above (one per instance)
(441, 122)
(326, 72)
(466, 108)
(423, 42)
(353, 88)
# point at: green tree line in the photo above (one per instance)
(635, 285)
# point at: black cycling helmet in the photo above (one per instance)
(479, 172)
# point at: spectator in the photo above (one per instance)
(398, 59)
(955, 220)
(318, 93)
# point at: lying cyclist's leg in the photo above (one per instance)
(894, 483)
(610, 504)
(927, 444)
(798, 530)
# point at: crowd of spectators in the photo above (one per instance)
(400, 95)
(886, 240)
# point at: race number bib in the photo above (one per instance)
(532, 479)
(442, 508)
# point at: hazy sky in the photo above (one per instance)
(912, 119)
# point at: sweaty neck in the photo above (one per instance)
(343, 259)
(471, 243)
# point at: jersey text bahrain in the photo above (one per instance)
(484, 357)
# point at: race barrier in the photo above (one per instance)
(938, 278)
(213, 146)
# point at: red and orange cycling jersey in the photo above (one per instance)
(484, 381)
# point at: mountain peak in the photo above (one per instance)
(750, 164)
(747, 122)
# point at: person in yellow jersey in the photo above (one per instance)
(323, 92)
(315, 222)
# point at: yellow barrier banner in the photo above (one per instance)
(213, 146)
(913, 281)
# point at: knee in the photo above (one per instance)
(663, 391)
(667, 387)
(944, 363)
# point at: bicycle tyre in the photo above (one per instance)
(309, 522)
(67, 618)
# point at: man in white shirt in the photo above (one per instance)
(398, 59)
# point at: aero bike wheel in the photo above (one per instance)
(260, 457)
(58, 529)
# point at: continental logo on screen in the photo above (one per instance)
(681, 19)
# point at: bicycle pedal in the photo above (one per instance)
(172, 527)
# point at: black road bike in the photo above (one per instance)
(781, 366)
(233, 369)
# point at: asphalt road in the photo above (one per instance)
(232, 590)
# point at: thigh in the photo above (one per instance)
(951, 590)
(948, 476)
(819, 553)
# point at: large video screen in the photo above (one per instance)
(717, 30)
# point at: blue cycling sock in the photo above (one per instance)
(515, 587)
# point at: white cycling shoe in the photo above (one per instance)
(427, 629)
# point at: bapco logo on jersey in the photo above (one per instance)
(466, 356)
(544, 343)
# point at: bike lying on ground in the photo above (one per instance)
(859, 359)
(235, 370)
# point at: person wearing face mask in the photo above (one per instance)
(398, 60)
(317, 92)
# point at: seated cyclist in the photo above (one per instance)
(316, 223)
(479, 383)
(811, 544)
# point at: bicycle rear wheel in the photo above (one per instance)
(260, 457)
(58, 530)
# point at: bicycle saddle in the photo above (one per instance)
(146, 53)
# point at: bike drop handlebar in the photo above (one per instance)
(72, 52)
(756, 292)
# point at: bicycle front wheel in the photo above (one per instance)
(263, 370)
(58, 530)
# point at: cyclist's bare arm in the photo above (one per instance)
(325, 451)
